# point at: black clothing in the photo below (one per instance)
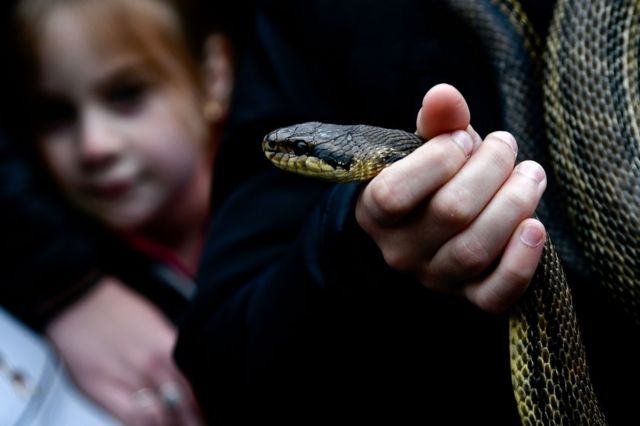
(47, 257)
(297, 319)
(304, 324)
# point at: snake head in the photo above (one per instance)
(310, 149)
(335, 152)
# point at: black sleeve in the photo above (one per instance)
(266, 288)
(298, 319)
(48, 260)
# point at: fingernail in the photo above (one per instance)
(463, 140)
(532, 236)
(507, 138)
(532, 170)
(477, 140)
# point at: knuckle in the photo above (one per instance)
(432, 280)
(448, 164)
(398, 260)
(471, 254)
(389, 198)
(451, 207)
(364, 219)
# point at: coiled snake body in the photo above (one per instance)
(574, 106)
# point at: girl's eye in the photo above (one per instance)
(54, 114)
(126, 97)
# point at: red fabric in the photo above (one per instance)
(162, 254)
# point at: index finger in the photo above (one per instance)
(406, 184)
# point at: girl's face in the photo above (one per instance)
(122, 142)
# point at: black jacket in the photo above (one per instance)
(297, 319)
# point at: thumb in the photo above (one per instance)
(444, 109)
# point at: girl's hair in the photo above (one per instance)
(118, 21)
(114, 23)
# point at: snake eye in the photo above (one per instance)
(300, 147)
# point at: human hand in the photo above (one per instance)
(118, 348)
(457, 211)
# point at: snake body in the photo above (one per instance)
(574, 106)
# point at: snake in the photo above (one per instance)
(573, 103)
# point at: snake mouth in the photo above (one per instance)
(305, 165)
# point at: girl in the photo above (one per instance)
(128, 130)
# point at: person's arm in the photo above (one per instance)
(266, 289)
(289, 269)
(117, 347)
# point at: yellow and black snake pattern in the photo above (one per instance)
(573, 104)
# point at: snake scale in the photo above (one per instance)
(573, 104)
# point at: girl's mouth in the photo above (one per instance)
(111, 189)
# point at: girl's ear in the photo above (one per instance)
(218, 78)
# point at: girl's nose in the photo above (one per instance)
(98, 143)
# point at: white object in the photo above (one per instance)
(35, 389)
